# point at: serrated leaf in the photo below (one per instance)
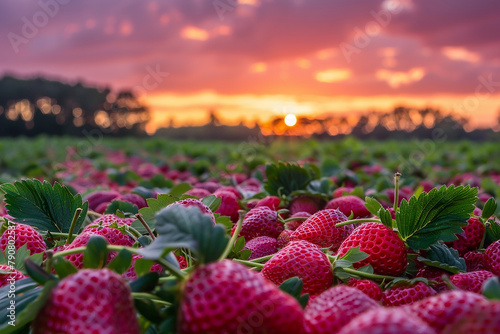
(490, 207)
(372, 205)
(41, 205)
(240, 243)
(149, 212)
(285, 178)
(441, 256)
(212, 201)
(186, 227)
(96, 252)
(122, 262)
(437, 215)
(491, 288)
(385, 217)
(179, 189)
(125, 207)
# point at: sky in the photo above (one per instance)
(252, 60)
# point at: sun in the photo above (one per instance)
(290, 120)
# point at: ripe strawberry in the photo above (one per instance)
(106, 220)
(305, 203)
(99, 197)
(492, 258)
(320, 229)
(334, 308)
(114, 236)
(474, 261)
(294, 224)
(198, 192)
(302, 259)
(447, 308)
(472, 281)
(387, 252)
(210, 186)
(226, 297)
(272, 202)
(386, 321)
(232, 190)
(229, 205)
(284, 238)
(348, 204)
(131, 275)
(407, 294)
(339, 192)
(259, 222)
(434, 274)
(10, 275)
(135, 199)
(261, 246)
(190, 202)
(369, 288)
(23, 235)
(90, 301)
(470, 239)
(481, 321)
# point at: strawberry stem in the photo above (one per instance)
(294, 219)
(367, 275)
(77, 214)
(149, 296)
(397, 175)
(146, 226)
(483, 239)
(264, 258)
(231, 242)
(249, 263)
(48, 261)
(355, 221)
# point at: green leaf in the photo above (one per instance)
(63, 267)
(293, 287)
(441, 256)
(489, 208)
(121, 262)
(96, 252)
(212, 201)
(143, 266)
(240, 243)
(179, 189)
(285, 178)
(145, 283)
(125, 207)
(385, 217)
(491, 289)
(41, 205)
(492, 231)
(27, 305)
(437, 215)
(372, 205)
(38, 274)
(149, 212)
(186, 227)
(354, 255)
(224, 221)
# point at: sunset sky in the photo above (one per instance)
(256, 59)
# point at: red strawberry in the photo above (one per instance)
(387, 252)
(340, 191)
(348, 204)
(135, 199)
(334, 308)
(190, 202)
(447, 308)
(272, 202)
(472, 281)
(474, 261)
(106, 220)
(113, 235)
(369, 288)
(294, 224)
(10, 275)
(491, 258)
(198, 192)
(386, 321)
(407, 294)
(21, 235)
(259, 222)
(302, 259)
(261, 246)
(470, 239)
(131, 275)
(284, 238)
(232, 190)
(211, 186)
(481, 321)
(434, 274)
(90, 301)
(226, 297)
(305, 203)
(99, 197)
(229, 205)
(320, 229)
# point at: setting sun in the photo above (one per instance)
(290, 120)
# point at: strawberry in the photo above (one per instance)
(21, 235)
(302, 259)
(320, 229)
(492, 258)
(89, 301)
(434, 274)
(232, 190)
(261, 246)
(259, 222)
(472, 281)
(272, 202)
(106, 220)
(10, 276)
(283, 238)
(210, 186)
(470, 239)
(348, 204)
(131, 275)
(339, 192)
(369, 288)
(387, 252)
(294, 224)
(481, 321)
(226, 297)
(189, 202)
(305, 203)
(99, 197)
(474, 261)
(229, 205)
(403, 294)
(135, 199)
(113, 235)
(447, 308)
(198, 192)
(386, 321)
(334, 308)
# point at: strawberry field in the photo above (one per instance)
(287, 236)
